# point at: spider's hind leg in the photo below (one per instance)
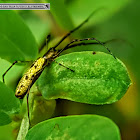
(3, 76)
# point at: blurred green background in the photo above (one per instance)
(118, 19)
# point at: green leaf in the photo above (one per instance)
(75, 127)
(6, 132)
(97, 78)
(17, 41)
(24, 127)
(38, 26)
(8, 102)
(60, 13)
(4, 118)
(42, 110)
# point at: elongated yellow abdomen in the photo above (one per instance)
(30, 77)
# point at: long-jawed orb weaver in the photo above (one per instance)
(38, 65)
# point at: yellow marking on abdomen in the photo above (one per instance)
(28, 78)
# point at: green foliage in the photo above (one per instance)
(16, 40)
(23, 128)
(68, 13)
(75, 127)
(4, 118)
(42, 110)
(8, 104)
(97, 78)
(61, 16)
(38, 26)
